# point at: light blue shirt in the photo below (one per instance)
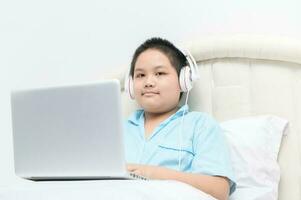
(202, 148)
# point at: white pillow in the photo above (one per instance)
(254, 145)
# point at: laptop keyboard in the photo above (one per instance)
(138, 177)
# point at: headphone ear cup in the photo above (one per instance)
(185, 79)
(129, 86)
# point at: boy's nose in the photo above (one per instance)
(149, 82)
(148, 85)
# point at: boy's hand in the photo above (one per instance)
(148, 171)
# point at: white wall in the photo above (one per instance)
(62, 41)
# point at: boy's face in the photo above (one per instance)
(156, 84)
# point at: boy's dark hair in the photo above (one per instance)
(175, 56)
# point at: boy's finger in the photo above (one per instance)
(131, 167)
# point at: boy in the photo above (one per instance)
(159, 143)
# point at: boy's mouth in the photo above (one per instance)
(150, 93)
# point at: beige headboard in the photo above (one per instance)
(252, 75)
(246, 75)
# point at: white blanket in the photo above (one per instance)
(102, 190)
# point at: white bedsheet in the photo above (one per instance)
(102, 189)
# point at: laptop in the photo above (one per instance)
(71, 132)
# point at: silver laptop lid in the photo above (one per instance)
(71, 131)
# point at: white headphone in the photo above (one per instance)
(188, 75)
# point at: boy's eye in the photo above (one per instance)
(160, 73)
(139, 75)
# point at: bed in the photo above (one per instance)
(242, 77)
(255, 75)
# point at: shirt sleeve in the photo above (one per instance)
(211, 151)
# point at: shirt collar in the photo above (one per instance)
(137, 116)
(179, 113)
